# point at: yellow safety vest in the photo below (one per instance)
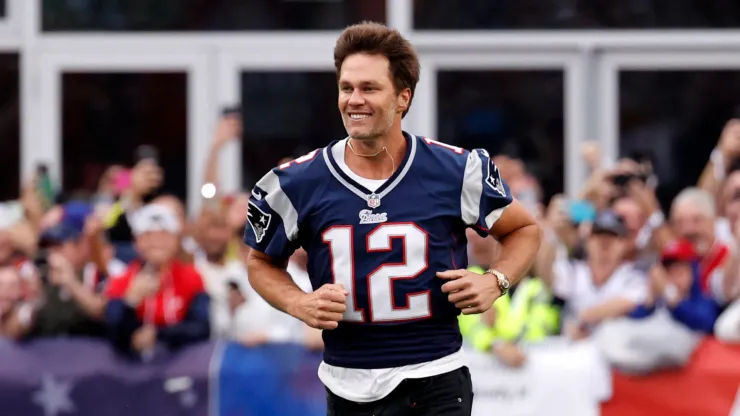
(527, 315)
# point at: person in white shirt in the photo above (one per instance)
(603, 286)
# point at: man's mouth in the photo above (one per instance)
(358, 116)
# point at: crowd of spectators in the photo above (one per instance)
(645, 286)
(127, 264)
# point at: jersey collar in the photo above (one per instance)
(373, 198)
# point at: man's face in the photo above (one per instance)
(76, 252)
(157, 247)
(606, 249)
(692, 223)
(215, 236)
(367, 98)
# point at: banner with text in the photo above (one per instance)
(559, 378)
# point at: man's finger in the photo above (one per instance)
(466, 303)
(326, 325)
(455, 285)
(472, 311)
(330, 316)
(460, 296)
(336, 287)
(452, 274)
(332, 296)
(332, 306)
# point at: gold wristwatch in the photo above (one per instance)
(503, 282)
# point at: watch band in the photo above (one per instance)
(503, 282)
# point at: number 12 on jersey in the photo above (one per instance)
(381, 301)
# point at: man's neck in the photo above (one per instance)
(383, 162)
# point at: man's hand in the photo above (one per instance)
(144, 285)
(323, 308)
(144, 338)
(471, 292)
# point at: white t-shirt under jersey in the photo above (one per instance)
(368, 385)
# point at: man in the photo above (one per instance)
(382, 216)
(159, 299)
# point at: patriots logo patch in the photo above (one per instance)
(259, 220)
(493, 179)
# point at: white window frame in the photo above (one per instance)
(424, 108)
(234, 60)
(42, 139)
(652, 60)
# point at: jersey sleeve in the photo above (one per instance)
(272, 220)
(484, 193)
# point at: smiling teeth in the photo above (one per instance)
(358, 116)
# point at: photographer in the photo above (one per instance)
(67, 305)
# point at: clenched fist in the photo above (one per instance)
(323, 308)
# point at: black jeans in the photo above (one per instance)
(448, 394)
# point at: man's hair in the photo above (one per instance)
(698, 198)
(377, 39)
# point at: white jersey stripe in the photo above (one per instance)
(279, 202)
(472, 189)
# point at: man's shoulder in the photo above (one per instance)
(448, 158)
(292, 175)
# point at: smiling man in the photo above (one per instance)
(382, 215)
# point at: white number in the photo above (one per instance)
(381, 300)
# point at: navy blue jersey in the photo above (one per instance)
(385, 247)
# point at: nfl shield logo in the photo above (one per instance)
(373, 201)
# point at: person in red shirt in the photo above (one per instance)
(159, 299)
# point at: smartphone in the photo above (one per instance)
(146, 152)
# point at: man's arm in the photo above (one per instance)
(321, 309)
(519, 235)
(269, 277)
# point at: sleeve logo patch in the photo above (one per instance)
(259, 220)
(493, 179)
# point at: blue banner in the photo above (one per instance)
(86, 377)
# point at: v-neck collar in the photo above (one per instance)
(373, 198)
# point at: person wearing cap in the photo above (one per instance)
(67, 305)
(159, 299)
(601, 287)
(667, 328)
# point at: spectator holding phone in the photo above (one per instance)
(159, 299)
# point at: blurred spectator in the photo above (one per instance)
(159, 298)
(11, 301)
(670, 324)
(68, 304)
(221, 276)
(693, 216)
(602, 287)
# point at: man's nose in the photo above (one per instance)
(357, 98)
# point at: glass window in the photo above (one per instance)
(286, 114)
(9, 126)
(107, 116)
(572, 14)
(516, 113)
(676, 117)
(207, 15)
